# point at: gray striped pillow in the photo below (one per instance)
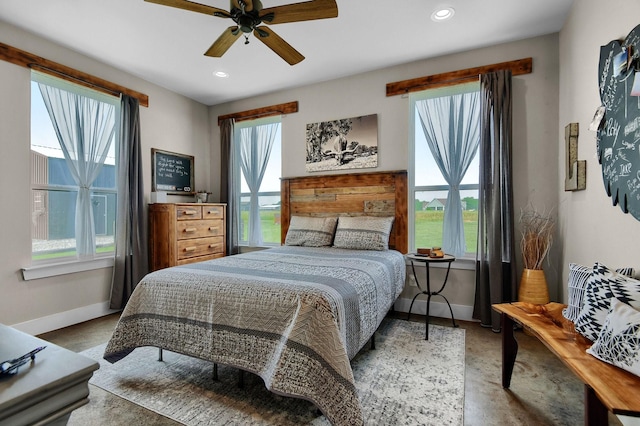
(578, 276)
(363, 232)
(311, 231)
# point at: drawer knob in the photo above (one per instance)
(188, 249)
(189, 212)
(189, 230)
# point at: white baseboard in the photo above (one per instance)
(64, 319)
(437, 309)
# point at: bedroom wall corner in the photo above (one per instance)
(171, 122)
(591, 228)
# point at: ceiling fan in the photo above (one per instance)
(249, 15)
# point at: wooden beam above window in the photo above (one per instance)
(517, 67)
(29, 60)
(268, 111)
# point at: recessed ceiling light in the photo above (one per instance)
(221, 74)
(442, 14)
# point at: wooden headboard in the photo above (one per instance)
(354, 194)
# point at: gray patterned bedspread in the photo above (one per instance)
(295, 316)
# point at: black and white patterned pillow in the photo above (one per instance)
(619, 341)
(310, 231)
(578, 276)
(576, 282)
(600, 288)
(363, 232)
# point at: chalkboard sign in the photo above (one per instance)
(619, 128)
(172, 173)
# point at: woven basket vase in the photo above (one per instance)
(533, 287)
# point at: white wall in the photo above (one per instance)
(591, 228)
(535, 126)
(171, 122)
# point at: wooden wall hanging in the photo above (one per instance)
(575, 177)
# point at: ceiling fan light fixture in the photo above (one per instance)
(442, 14)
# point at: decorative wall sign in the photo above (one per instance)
(349, 143)
(172, 172)
(575, 176)
(619, 130)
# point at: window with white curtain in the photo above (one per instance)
(444, 170)
(259, 155)
(73, 175)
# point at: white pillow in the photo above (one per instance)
(310, 231)
(619, 341)
(363, 232)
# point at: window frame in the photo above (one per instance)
(412, 188)
(240, 177)
(68, 264)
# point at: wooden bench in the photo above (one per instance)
(607, 388)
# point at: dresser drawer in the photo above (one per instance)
(213, 212)
(188, 212)
(187, 229)
(200, 247)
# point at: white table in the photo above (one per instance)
(46, 390)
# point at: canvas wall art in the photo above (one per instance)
(348, 143)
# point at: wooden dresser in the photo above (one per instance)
(185, 233)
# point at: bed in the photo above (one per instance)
(294, 315)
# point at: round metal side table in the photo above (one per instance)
(448, 259)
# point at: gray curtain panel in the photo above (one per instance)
(495, 263)
(131, 259)
(229, 187)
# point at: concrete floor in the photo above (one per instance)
(543, 391)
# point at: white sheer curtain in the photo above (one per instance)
(451, 126)
(255, 148)
(85, 128)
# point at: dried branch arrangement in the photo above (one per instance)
(537, 236)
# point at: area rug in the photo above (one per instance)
(404, 381)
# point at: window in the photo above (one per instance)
(73, 176)
(259, 156)
(444, 149)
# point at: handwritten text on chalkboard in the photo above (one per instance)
(172, 172)
(619, 130)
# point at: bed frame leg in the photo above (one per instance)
(215, 372)
(240, 378)
(159, 354)
(373, 341)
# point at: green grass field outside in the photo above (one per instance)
(428, 228)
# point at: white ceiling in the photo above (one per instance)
(165, 45)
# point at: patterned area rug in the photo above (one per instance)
(404, 381)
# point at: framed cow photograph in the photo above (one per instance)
(348, 143)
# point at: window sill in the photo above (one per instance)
(54, 269)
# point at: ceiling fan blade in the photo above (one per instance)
(192, 6)
(224, 42)
(305, 11)
(278, 45)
